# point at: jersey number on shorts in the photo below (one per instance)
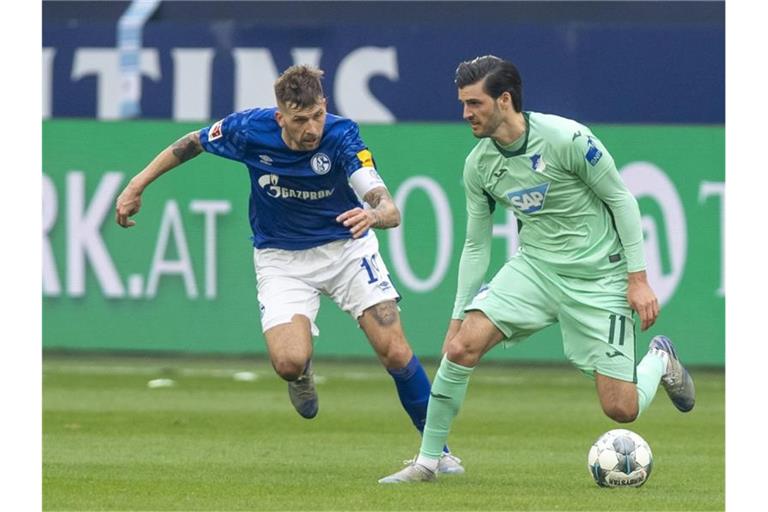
(612, 330)
(372, 268)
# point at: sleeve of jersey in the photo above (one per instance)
(476, 255)
(595, 166)
(354, 153)
(225, 137)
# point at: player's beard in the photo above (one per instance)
(301, 143)
(489, 127)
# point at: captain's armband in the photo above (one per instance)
(364, 180)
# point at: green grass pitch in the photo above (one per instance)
(215, 443)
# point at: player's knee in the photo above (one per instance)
(460, 350)
(288, 369)
(621, 412)
(397, 355)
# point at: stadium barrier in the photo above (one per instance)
(182, 279)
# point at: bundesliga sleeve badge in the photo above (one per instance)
(215, 131)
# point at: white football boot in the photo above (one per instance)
(413, 472)
(677, 382)
(450, 465)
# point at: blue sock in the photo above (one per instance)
(413, 389)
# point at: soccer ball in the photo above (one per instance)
(620, 458)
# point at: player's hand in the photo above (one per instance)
(128, 203)
(642, 299)
(358, 220)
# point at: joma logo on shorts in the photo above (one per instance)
(529, 200)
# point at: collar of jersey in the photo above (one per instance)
(522, 148)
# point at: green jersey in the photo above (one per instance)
(576, 215)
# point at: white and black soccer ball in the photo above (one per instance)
(620, 458)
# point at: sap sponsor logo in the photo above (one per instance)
(320, 163)
(269, 182)
(215, 131)
(593, 152)
(537, 163)
(529, 200)
(265, 159)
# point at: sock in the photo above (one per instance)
(413, 389)
(448, 391)
(649, 373)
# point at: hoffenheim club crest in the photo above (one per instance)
(320, 163)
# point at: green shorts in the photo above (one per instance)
(595, 319)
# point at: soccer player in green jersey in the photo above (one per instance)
(580, 261)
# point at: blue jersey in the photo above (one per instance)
(295, 195)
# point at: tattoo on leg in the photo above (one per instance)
(385, 313)
(186, 148)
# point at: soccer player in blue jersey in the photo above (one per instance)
(315, 195)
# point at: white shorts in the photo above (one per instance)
(351, 272)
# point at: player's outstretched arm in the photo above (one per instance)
(382, 214)
(129, 201)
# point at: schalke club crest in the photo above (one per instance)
(321, 164)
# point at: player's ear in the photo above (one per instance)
(279, 118)
(505, 100)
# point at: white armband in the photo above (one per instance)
(364, 180)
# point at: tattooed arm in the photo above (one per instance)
(385, 213)
(382, 214)
(129, 201)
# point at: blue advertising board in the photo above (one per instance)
(591, 68)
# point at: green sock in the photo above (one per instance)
(446, 397)
(649, 373)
